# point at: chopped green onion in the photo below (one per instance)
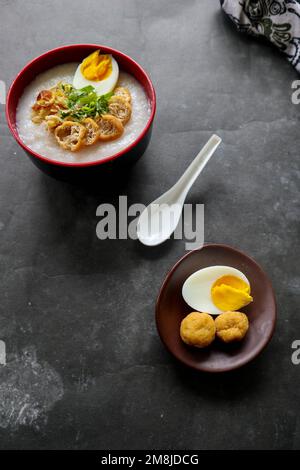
(84, 102)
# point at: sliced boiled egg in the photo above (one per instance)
(99, 70)
(217, 289)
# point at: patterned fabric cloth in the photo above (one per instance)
(276, 20)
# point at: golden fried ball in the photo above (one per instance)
(198, 329)
(231, 326)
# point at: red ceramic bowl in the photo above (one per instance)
(105, 166)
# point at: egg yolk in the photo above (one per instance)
(96, 66)
(229, 293)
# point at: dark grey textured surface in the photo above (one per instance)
(86, 368)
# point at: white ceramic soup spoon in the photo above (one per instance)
(159, 220)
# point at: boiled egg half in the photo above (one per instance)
(99, 70)
(217, 289)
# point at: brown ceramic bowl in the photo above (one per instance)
(171, 309)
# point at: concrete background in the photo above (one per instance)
(85, 367)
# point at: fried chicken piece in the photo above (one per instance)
(231, 326)
(70, 135)
(198, 329)
(123, 92)
(110, 127)
(92, 131)
(120, 108)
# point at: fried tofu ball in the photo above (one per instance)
(231, 326)
(120, 108)
(198, 329)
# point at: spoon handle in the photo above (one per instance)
(194, 169)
